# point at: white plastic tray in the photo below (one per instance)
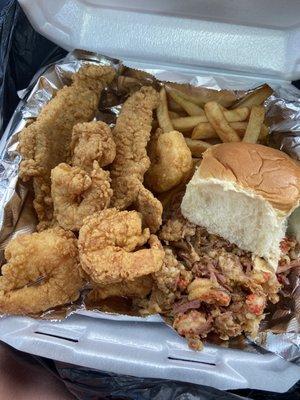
(146, 349)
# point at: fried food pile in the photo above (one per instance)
(46, 142)
(108, 206)
(97, 220)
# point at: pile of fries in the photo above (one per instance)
(208, 120)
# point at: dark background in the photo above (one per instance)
(22, 52)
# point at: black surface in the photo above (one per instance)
(22, 52)
(87, 384)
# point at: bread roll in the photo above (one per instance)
(245, 193)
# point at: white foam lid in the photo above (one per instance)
(250, 37)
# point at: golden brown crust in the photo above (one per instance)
(150, 208)
(131, 135)
(42, 272)
(45, 143)
(92, 141)
(268, 172)
(140, 288)
(110, 250)
(77, 194)
(171, 161)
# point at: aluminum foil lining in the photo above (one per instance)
(280, 331)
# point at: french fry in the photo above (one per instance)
(204, 130)
(184, 124)
(239, 127)
(255, 98)
(190, 108)
(162, 112)
(255, 123)
(173, 114)
(238, 115)
(192, 98)
(201, 95)
(218, 121)
(173, 106)
(264, 133)
(197, 147)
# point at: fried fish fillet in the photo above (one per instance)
(131, 135)
(45, 143)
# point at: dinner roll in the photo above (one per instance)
(245, 193)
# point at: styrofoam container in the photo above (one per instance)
(243, 37)
(145, 348)
(251, 39)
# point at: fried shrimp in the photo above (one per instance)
(77, 194)
(92, 141)
(45, 143)
(108, 245)
(171, 161)
(42, 272)
(131, 135)
(139, 288)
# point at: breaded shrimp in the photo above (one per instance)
(139, 288)
(108, 243)
(171, 161)
(42, 272)
(92, 141)
(77, 194)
